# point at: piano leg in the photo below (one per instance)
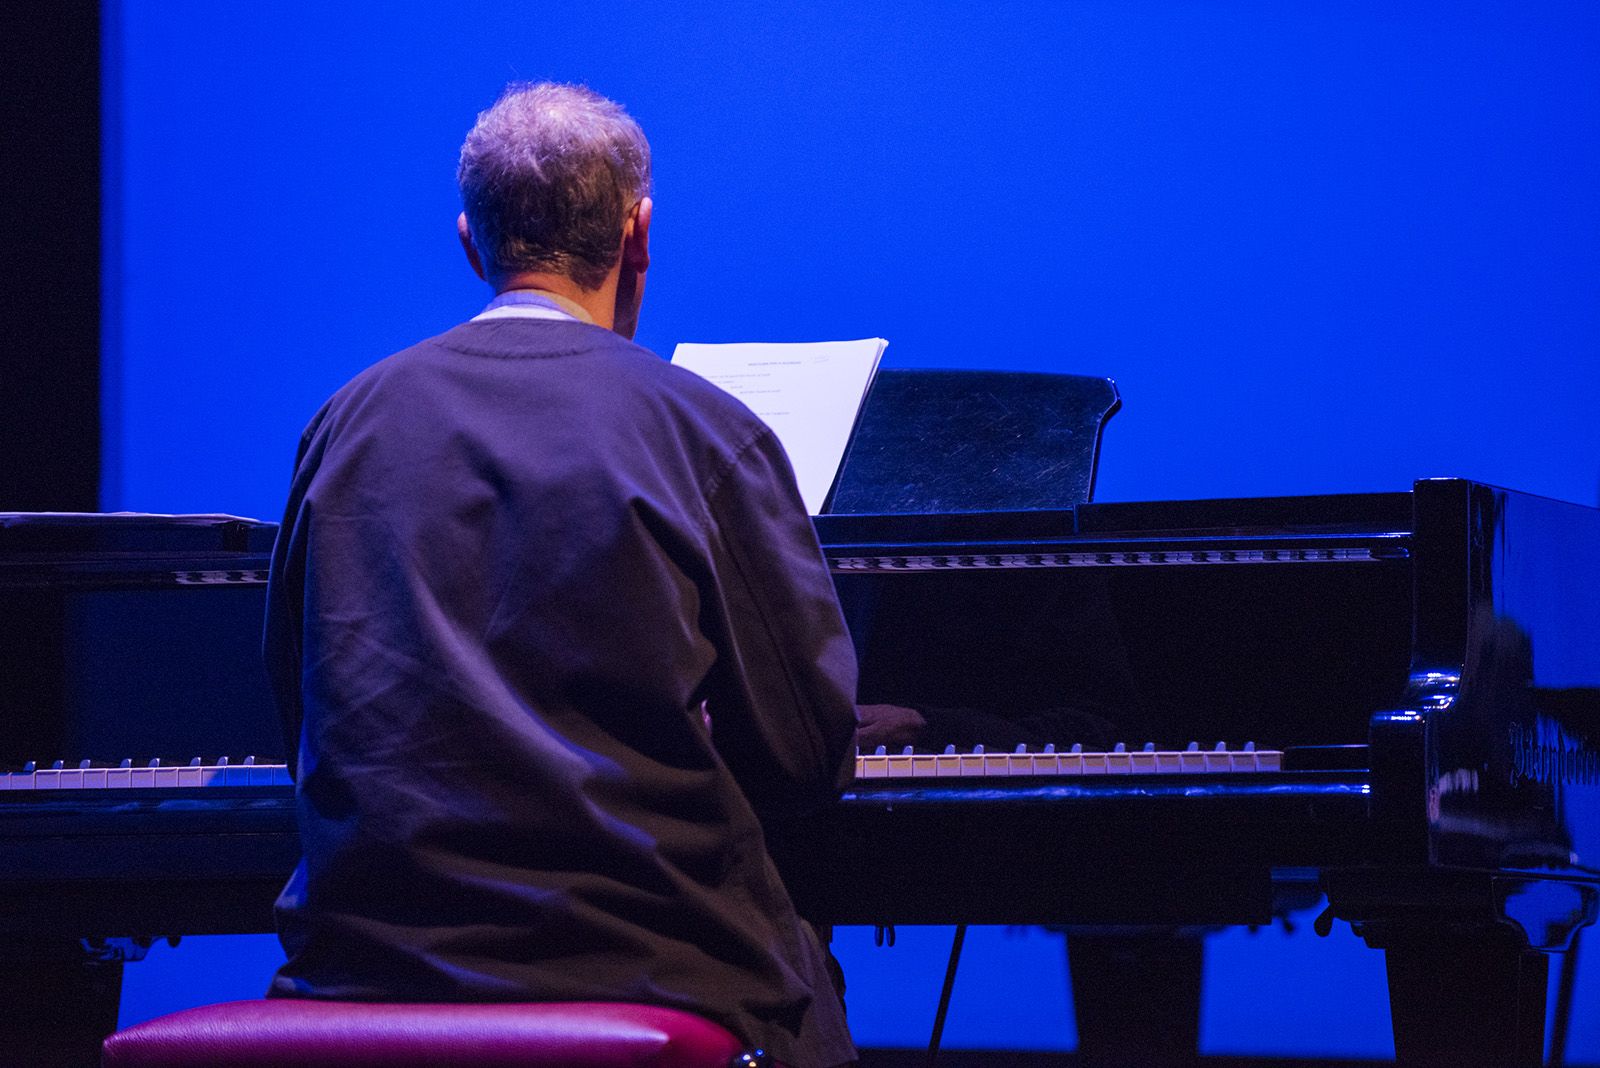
(1466, 998)
(1136, 996)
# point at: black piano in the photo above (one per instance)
(1139, 717)
(1389, 699)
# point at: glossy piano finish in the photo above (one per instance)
(1285, 622)
(133, 637)
(1486, 800)
(1426, 661)
(130, 638)
(1508, 678)
(1452, 630)
(1448, 635)
(1163, 850)
(1488, 763)
(129, 863)
(1282, 622)
(1447, 628)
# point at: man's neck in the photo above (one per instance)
(598, 305)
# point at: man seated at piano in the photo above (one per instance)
(551, 626)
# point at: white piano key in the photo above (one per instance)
(1119, 761)
(1021, 762)
(1089, 763)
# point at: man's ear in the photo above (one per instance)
(464, 232)
(636, 237)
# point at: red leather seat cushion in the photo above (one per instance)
(346, 1034)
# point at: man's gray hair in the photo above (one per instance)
(548, 176)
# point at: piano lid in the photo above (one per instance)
(974, 441)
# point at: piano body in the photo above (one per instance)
(1405, 686)
(1418, 673)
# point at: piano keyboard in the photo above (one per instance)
(154, 775)
(882, 764)
(908, 764)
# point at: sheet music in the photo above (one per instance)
(808, 393)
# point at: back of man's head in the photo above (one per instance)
(548, 176)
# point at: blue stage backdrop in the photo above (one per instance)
(1321, 246)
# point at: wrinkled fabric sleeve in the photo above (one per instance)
(282, 641)
(782, 696)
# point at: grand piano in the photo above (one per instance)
(1142, 721)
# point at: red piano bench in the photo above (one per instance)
(351, 1034)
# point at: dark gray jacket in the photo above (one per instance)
(516, 560)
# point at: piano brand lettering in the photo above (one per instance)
(1546, 753)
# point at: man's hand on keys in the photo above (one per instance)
(893, 726)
